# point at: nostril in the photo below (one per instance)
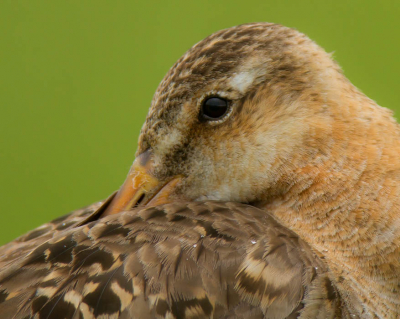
(139, 200)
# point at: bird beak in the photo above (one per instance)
(141, 187)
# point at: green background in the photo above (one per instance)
(77, 77)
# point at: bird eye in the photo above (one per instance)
(214, 108)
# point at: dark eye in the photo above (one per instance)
(214, 108)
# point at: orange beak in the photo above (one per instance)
(141, 188)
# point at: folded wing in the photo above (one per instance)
(180, 260)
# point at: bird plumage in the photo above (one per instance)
(180, 260)
(287, 206)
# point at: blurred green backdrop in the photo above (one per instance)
(77, 77)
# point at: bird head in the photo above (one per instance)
(233, 119)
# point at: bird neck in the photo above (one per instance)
(346, 203)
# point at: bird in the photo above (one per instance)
(265, 185)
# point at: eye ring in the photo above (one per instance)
(214, 108)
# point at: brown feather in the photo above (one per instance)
(180, 260)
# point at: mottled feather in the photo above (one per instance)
(180, 260)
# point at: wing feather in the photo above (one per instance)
(180, 260)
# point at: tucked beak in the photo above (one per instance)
(141, 187)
